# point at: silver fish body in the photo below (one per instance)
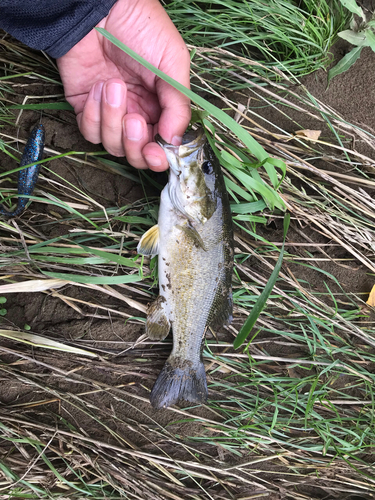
(194, 242)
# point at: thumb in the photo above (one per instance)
(175, 106)
(174, 119)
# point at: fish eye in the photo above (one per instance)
(207, 167)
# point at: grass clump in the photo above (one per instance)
(289, 36)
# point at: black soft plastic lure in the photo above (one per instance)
(27, 177)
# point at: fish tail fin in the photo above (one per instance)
(179, 380)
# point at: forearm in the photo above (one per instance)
(54, 27)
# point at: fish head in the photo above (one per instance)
(192, 177)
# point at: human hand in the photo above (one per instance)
(117, 101)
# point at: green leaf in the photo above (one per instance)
(232, 186)
(44, 105)
(257, 185)
(248, 208)
(134, 219)
(246, 174)
(275, 163)
(345, 63)
(251, 218)
(354, 37)
(79, 261)
(117, 168)
(3, 300)
(232, 160)
(370, 37)
(352, 6)
(111, 257)
(197, 116)
(96, 280)
(261, 302)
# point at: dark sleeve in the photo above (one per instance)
(54, 26)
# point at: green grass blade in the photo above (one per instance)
(65, 106)
(96, 280)
(261, 302)
(111, 257)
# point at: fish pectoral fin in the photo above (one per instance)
(157, 323)
(192, 233)
(149, 243)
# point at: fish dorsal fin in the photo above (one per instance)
(149, 243)
(192, 233)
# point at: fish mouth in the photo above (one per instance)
(171, 153)
(175, 154)
(196, 140)
(159, 140)
(192, 141)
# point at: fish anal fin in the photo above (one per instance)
(149, 243)
(157, 323)
(179, 380)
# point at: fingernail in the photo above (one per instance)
(114, 94)
(98, 91)
(176, 140)
(153, 161)
(133, 129)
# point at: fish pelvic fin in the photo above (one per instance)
(157, 323)
(149, 243)
(179, 380)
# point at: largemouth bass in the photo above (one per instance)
(27, 177)
(194, 243)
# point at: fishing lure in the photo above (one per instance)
(27, 177)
